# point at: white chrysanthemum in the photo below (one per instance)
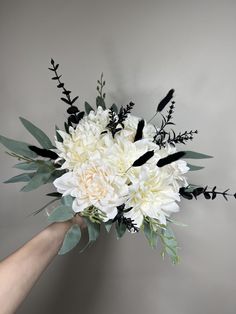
(131, 123)
(82, 142)
(151, 195)
(176, 169)
(94, 183)
(121, 153)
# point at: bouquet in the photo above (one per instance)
(111, 168)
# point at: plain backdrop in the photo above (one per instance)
(144, 48)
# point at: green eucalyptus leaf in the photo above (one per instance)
(100, 102)
(108, 225)
(93, 232)
(120, 230)
(36, 181)
(195, 155)
(61, 213)
(17, 147)
(150, 234)
(67, 200)
(38, 134)
(88, 108)
(55, 174)
(170, 246)
(71, 239)
(27, 166)
(194, 168)
(58, 136)
(23, 177)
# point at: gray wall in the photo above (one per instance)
(144, 48)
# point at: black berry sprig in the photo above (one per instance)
(128, 222)
(118, 119)
(205, 191)
(75, 115)
(101, 83)
(161, 134)
(181, 138)
(123, 113)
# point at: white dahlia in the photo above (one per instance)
(94, 183)
(151, 194)
(82, 142)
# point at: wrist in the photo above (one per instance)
(56, 231)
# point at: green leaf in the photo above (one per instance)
(41, 177)
(55, 174)
(150, 234)
(71, 239)
(23, 177)
(170, 246)
(58, 136)
(27, 166)
(88, 108)
(194, 155)
(38, 134)
(17, 147)
(114, 108)
(100, 102)
(120, 230)
(194, 168)
(93, 232)
(67, 200)
(108, 225)
(45, 206)
(61, 213)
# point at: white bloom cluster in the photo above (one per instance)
(99, 171)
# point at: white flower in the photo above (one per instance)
(176, 169)
(94, 183)
(151, 195)
(131, 123)
(82, 142)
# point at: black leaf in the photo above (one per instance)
(65, 100)
(52, 61)
(66, 92)
(144, 158)
(80, 116)
(73, 100)
(197, 192)
(139, 132)
(54, 194)
(213, 195)
(60, 85)
(66, 127)
(44, 152)
(72, 110)
(207, 195)
(185, 194)
(170, 158)
(165, 100)
(72, 119)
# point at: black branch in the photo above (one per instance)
(209, 194)
(161, 134)
(75, 115)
